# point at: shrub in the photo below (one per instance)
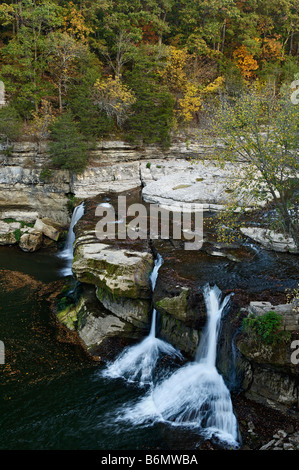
(266, 328)
(10, 123)
(68, 149)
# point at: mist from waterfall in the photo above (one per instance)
(137, 363)
(194, 396)
(68, 251)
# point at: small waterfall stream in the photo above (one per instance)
(194, 396)
(68, 251)
(137, 363)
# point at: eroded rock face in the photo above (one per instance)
(270, 376)
(93, 323)
(24, 196)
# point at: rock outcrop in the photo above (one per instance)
(28, 237)
(25, 197)
(122, 273)
(269, 375)
(270, 239)
(8, 232)
(203, 182)
(31, 241)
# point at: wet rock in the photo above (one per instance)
(175, 332)
(176, 306)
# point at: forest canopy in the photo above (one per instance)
(139, 68)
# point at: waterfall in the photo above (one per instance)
(137, 363)
(68, 251)
(194, 396)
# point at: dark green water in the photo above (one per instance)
(51, 396)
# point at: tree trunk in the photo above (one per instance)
(60, 96)
(223, 36)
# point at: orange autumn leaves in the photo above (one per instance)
(270, 49)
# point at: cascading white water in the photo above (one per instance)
(137, 363)
(68, 251)
(194, 396)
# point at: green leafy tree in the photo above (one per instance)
(261, 131)
(152, 115)
(92, 123)
(10, 124)
(24, 57)
(67, 147)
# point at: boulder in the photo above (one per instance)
(31, 242)
(270, 239)
(122, 273)
(48, 230)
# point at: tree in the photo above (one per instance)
(92, 122)
(24, 56)
(261, 131)
(67, 148)
(114, 98)
(246, 62)
(64, 52)
(10, 124)
(152, 115)
(42, 119)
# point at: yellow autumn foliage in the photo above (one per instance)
(113, 97)
(174, 74)
(74, 24)
(190, 103)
